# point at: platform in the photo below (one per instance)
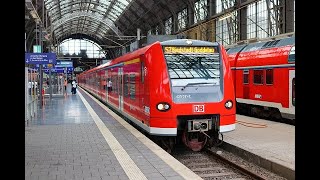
(76, 137)
(266, 143)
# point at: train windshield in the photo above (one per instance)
(292, 54)
(194, 66)
(194, 71)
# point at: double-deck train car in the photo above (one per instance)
(177, 91)
(264, 78)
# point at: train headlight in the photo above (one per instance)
(163, 106)
(228, 104)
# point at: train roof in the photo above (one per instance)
(184, 42)
(262, 45)
(133, 54)
(122, 58)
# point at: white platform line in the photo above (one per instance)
(127, 164)
(181, 169)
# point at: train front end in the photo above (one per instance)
(198, 93)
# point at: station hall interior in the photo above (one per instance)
(82, 35)
(89, 33)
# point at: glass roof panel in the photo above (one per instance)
(100, 8)
(59, 9)
(117, 8)
(116, 12)
(124, 2)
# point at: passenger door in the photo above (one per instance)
(106, 78)
(292, 89)
(120, 87)
(144, 95)
(246, 81)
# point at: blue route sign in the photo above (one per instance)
(59, 70)
(64, 63)
(40, 58)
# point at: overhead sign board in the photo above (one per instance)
(59, 64)
(67, 70)
(64, 63)
(40, 58)
(59, 70)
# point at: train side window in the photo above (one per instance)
(132, 86)
(258, 76)
(269, 76)
(246, 76)
(142, 72)
(293, 92)
(126, 85)
(114, 81)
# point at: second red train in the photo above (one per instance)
(264, 78)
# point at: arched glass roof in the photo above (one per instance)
(77, 47)
(90, 17)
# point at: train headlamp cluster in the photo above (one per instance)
(163, 106)
(228, 104)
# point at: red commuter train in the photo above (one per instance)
(177, 91)
(264, 78)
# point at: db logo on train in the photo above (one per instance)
(198, 108)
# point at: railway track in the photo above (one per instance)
(217, 164)
(280, 120)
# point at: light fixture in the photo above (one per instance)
(225, 16)
(189, 42)
(34, 14)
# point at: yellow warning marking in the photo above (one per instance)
(132, 61)
(181, 169)
(127, 164)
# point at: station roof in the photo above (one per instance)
(93, 17)
(108, 22)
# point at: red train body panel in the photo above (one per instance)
(170, 89)
(264, 76)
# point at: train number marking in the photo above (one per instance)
(147, 109)
(258, 96)
(183, 96)
(198, 108)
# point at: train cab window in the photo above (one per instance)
(291, 58)
(293, 92)
(258, 76)
(246, 76)
(269, 76)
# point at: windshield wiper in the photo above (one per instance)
(189, 84)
